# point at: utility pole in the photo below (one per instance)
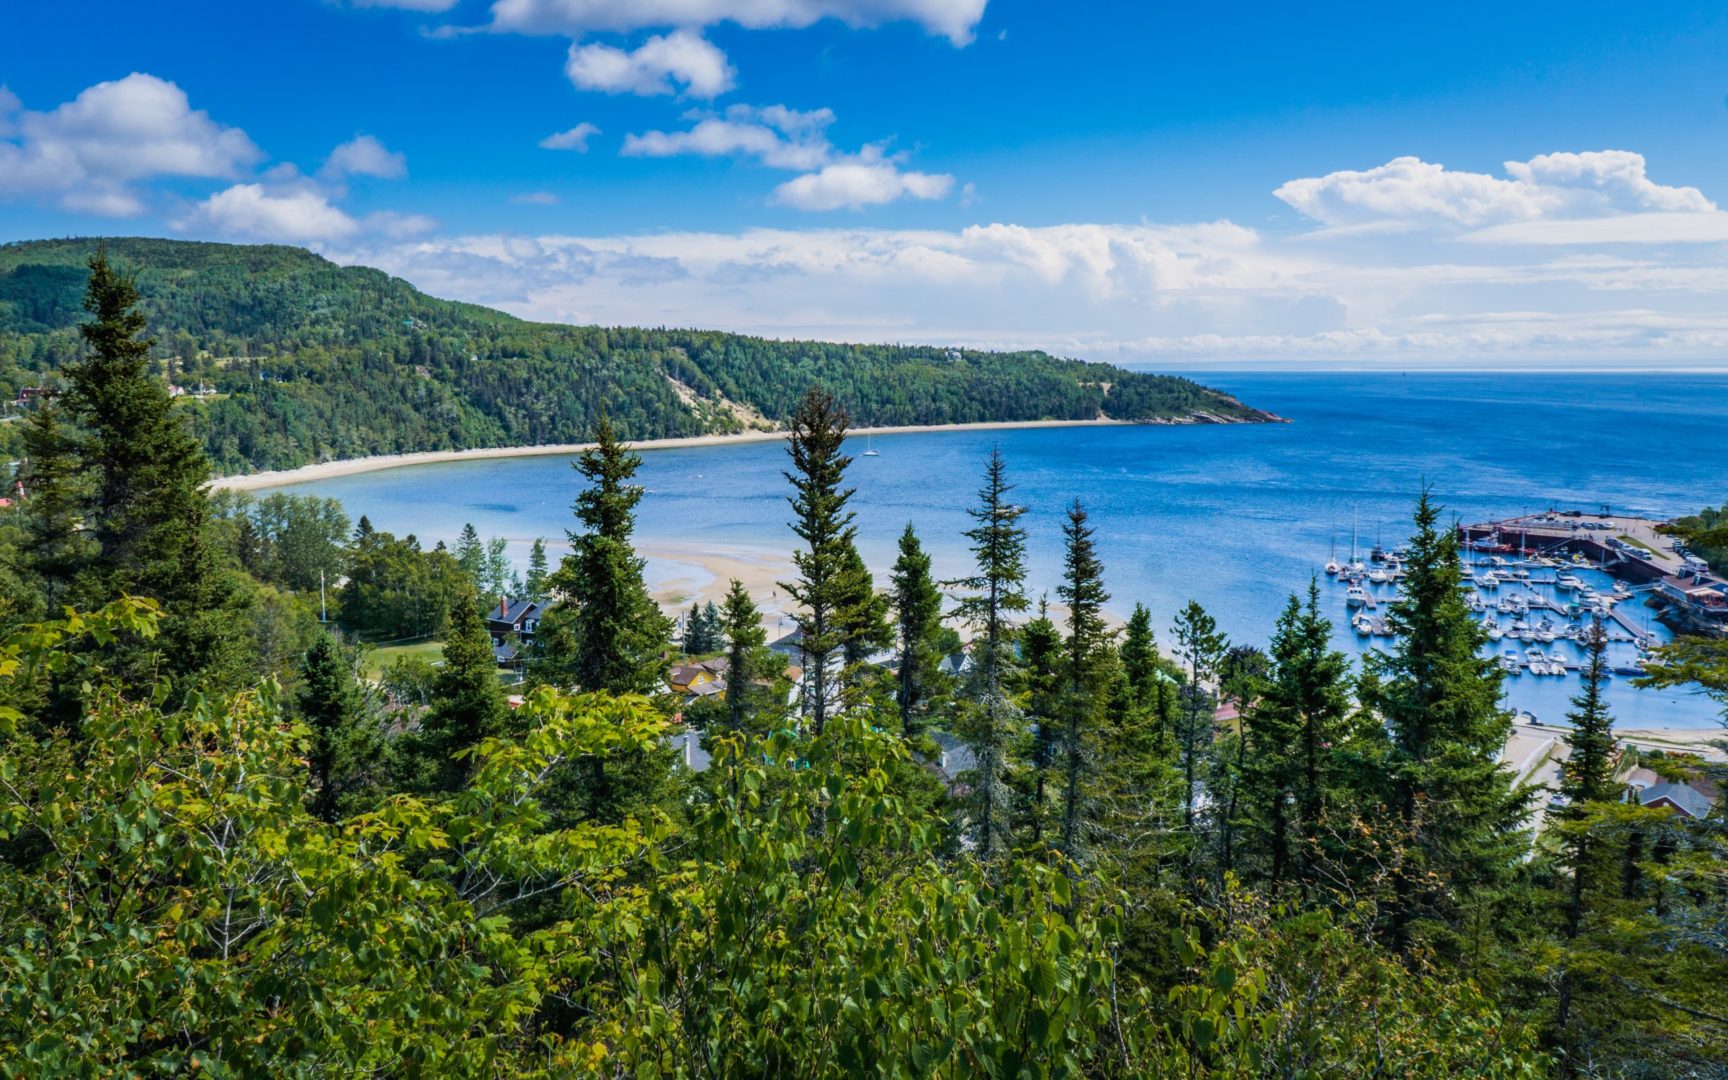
(323, 611)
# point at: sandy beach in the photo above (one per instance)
(326, 470)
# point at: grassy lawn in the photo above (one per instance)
(378, 659)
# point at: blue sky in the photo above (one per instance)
(1169, 183)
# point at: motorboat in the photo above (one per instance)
(1569, 583)
(1356, 596)
(1363, 625)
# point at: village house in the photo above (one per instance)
(512, 624)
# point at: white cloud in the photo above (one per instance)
(364, 155)
(784, 138)
(854, 185)
(682, 60)
(777, 136)
(9, 106)
(429, 6)
(574, 139)
(535, 198)
(298, 215)
(1410, 192)
(953, 19)
(88, 154)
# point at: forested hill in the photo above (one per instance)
(310, 361)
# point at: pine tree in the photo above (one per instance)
(534, 586)
(918, 620)
(826, 590)
(614, 636)
(467, 702)
(347, 745)
(1082, 589)
(1140, 656)
(1440, 698)
(997, 592)
(1200, 644)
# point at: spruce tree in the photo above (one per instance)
(1587, 782)
(747, 657)
(143, 477)
(467, 702)
(1139, 654)
(918, 620)
(995, 593)
(826, 590)
(1199, 643)
(1043, 689)
(1454, 801)
(56, 546)
(1082, 589)
(1297, 725)
(613, 636)
(347, 745)
(534, 585)
(867, 628)
(471, 556)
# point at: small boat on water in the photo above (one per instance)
(1569, 583)
(1379, 576)
(870, 447)
(1356, 596)
(1363, 625)
(1490, 580)
(1510, 664)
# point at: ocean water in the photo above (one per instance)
(1237, 517)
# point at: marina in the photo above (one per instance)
(1540, 583)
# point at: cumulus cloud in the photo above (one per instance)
(294, 215)
(784, 138)
(1412, 193)
(680, 61)
(853, 185)
(429, 6)
(775, 135)
(952, 19)
(88, 154)
(364, 155)
(574, 139)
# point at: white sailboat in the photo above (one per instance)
(870, 446)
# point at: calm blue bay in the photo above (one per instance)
(1236, 517)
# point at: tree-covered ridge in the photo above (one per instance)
(310, 361)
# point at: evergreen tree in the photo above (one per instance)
(1139, 654)
(534, 585)
(1200, 644)
(1298, 723)
(467, 702)
(867, 629)
(1587, 783)
(497, 567)
(146, 508)
(996, 593)
(347, 745)
(827, 590)
(55, 546)
(1041, 677)
(918, 619)
(1082, 589)
(613, 636)
(471, 556)
(748, 658)
(1440, 698)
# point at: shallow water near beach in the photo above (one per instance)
(1237, 517)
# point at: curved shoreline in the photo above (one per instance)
(327, 470)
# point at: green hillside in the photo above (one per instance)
(310, 361)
